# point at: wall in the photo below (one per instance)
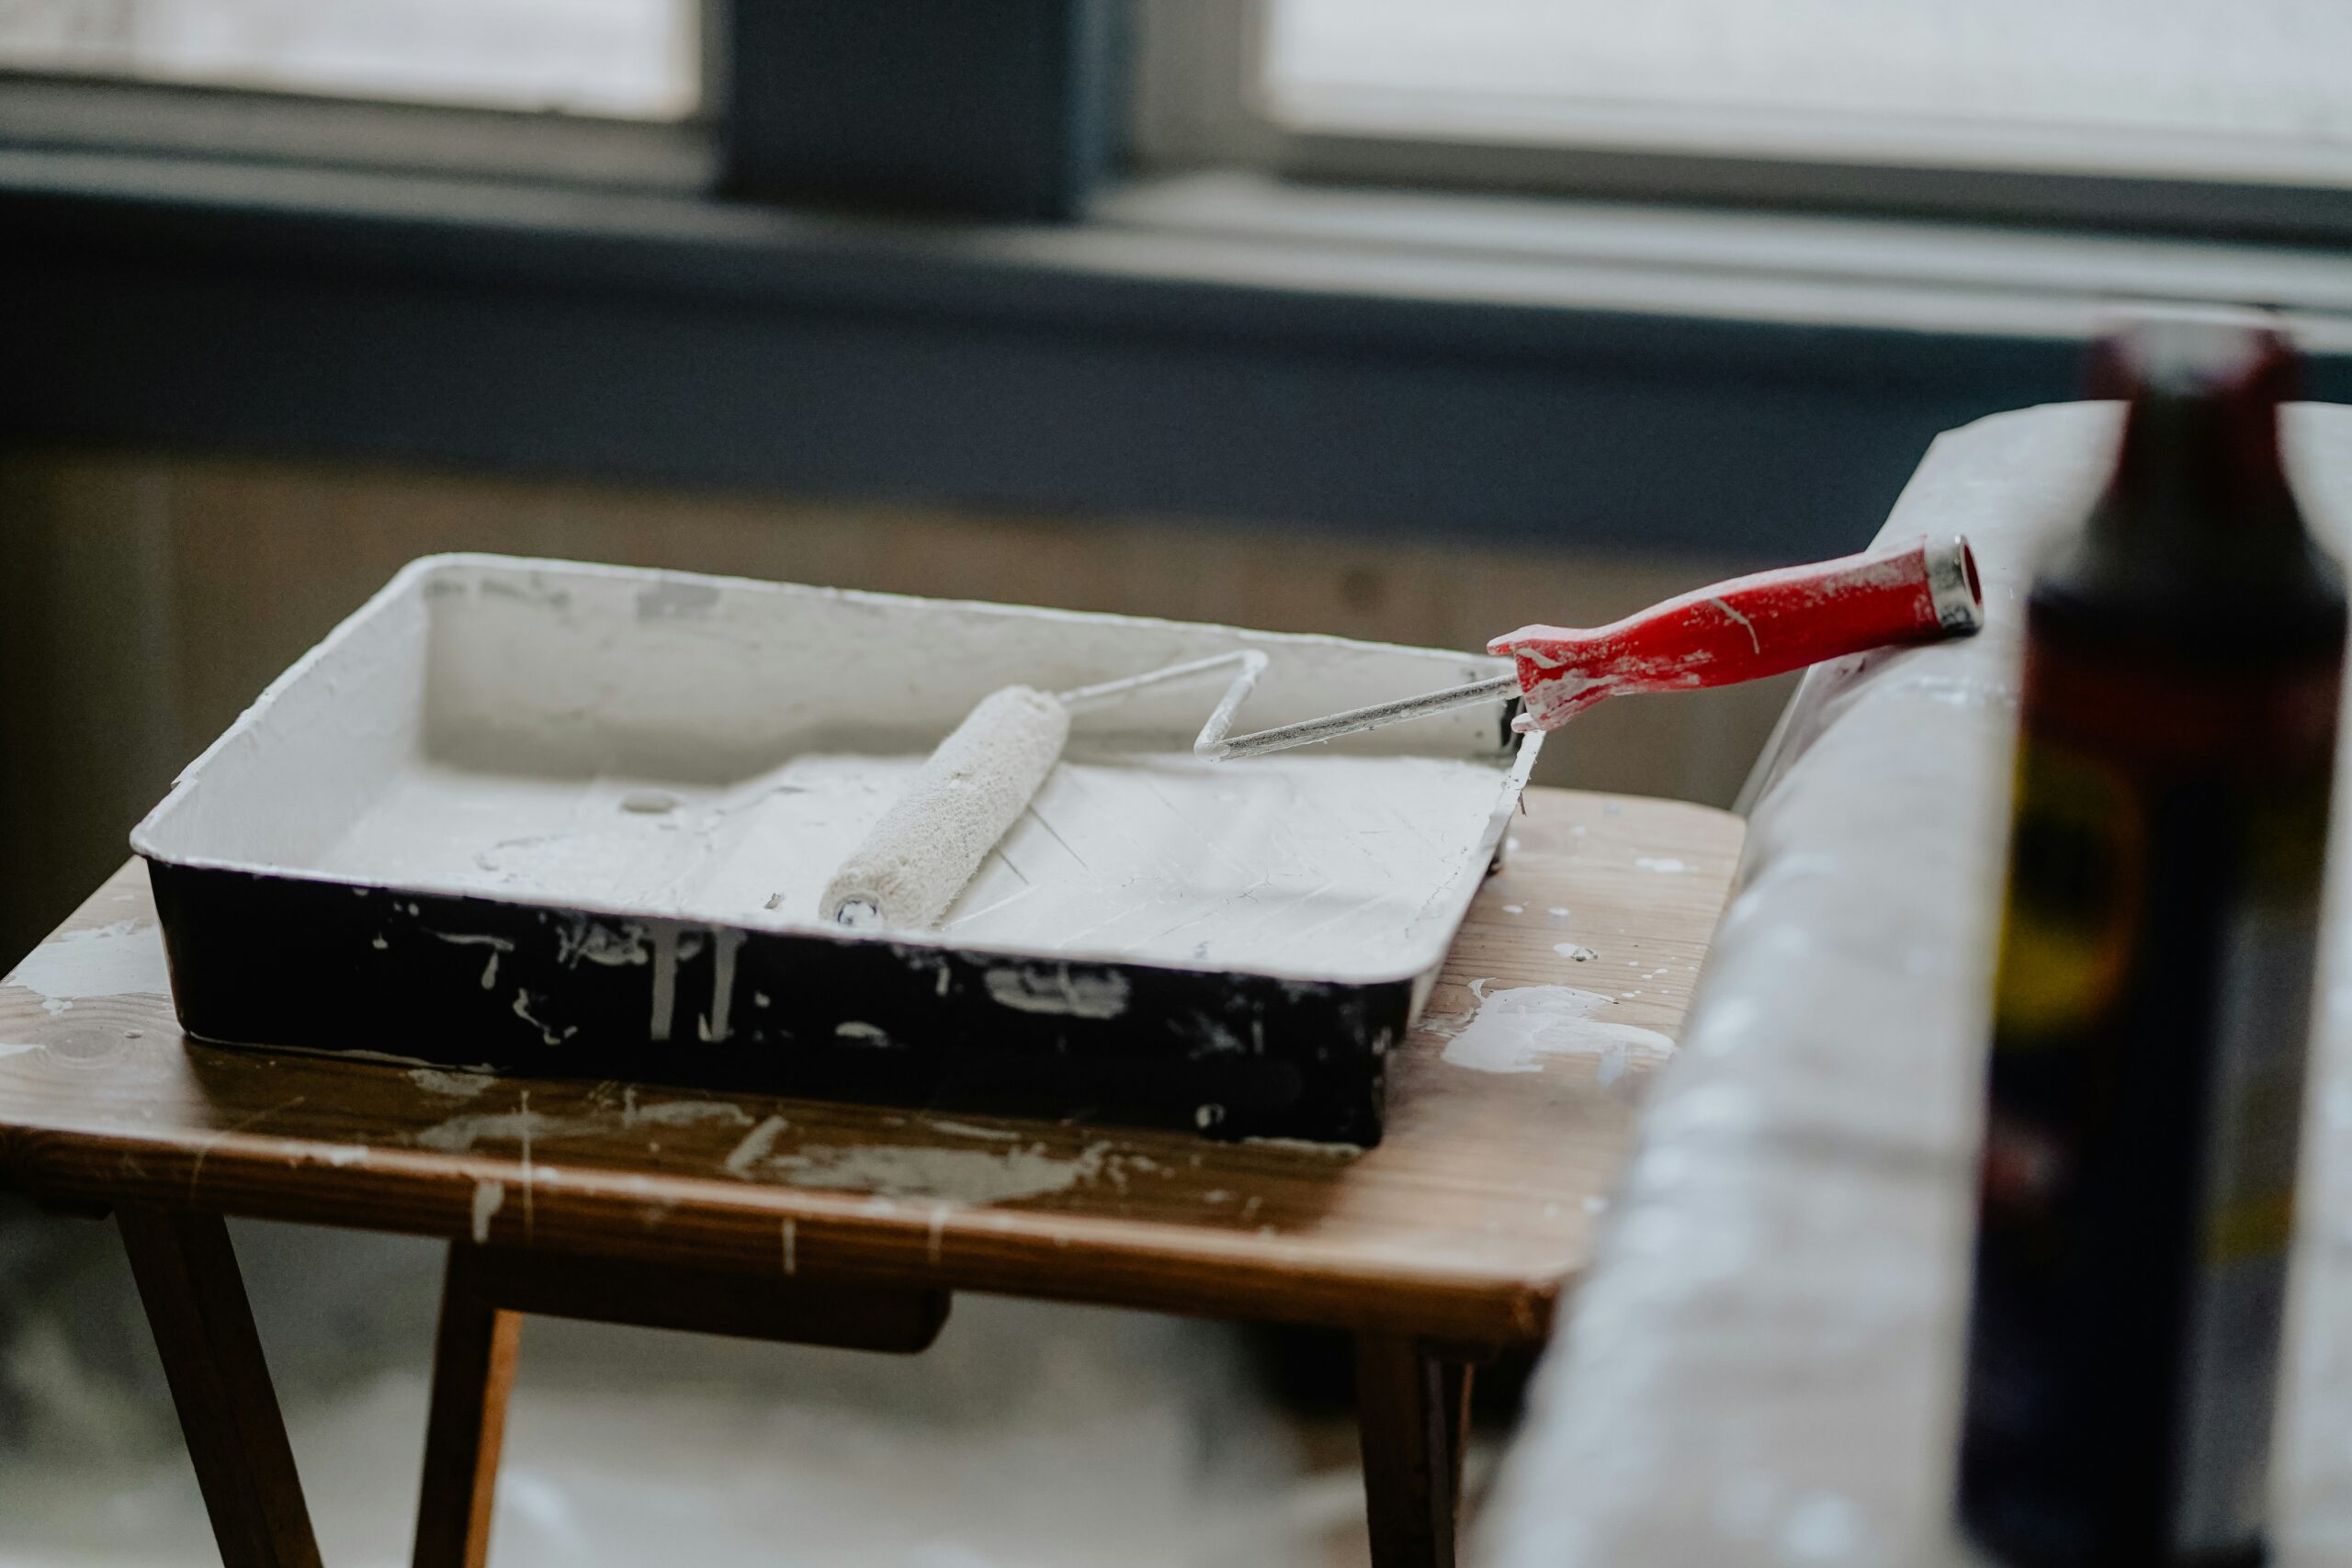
(146, 598)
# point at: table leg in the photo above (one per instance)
(1412, 1409)
(473, 1370)
(196, 1303)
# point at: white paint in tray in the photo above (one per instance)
(705, 752)
(1310, 864)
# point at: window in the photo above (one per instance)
(703, 300)
(2209, 114)
(935, 107)
(613, 59)
(2244, 88)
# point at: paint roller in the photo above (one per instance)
(911, 867)
(914, 862)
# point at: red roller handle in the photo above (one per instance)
(1750, 627)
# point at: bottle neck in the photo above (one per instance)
(2199, 494)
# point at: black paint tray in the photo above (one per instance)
(573, 820)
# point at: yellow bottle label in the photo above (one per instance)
(2072, 917)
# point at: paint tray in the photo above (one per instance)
(565, 820)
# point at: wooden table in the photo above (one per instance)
(842, 1224)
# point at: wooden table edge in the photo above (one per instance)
(844, 1236)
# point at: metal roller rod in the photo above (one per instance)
(1217, 747)
(1252, 663)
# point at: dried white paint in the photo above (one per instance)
(713, 1026)
(755, 1146)
(1755, 642)
(680, 1112)
(1665, 864)
(125, 958)
(609, 947)
(1446, 1025)
(967, 1130)
(9, 1048)
(549, 1034)
(461, 1133)
(665, 981)
(524, 1133)
(957, 1176)
(456, 1086)
(1052, 989)
(1516, 1030)
(488, 1198)
(1307, 1147)
(213, 1139)
(651, 802)
(497, 944)
(1574, 950)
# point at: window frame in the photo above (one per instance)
(1198, 105)
(1253, 349)
(803, 103)
(103, 115)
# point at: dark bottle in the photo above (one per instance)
(2183, 656)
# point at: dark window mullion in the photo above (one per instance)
(978, 108)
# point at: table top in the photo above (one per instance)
(1463, 1225)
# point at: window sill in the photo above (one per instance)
(211, 124)
(1214, 344)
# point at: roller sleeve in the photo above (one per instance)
(916, 860)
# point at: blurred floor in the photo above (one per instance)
(1029, 1437)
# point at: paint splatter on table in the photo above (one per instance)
(1464, 1224)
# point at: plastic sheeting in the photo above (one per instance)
(1763, 1365)
(1031, 1436)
